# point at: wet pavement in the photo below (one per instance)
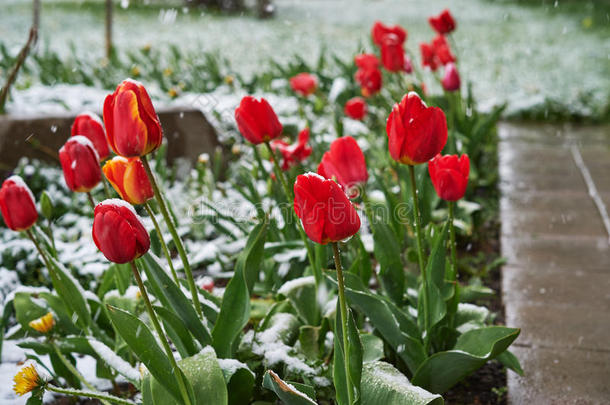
(555, 183)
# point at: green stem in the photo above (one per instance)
(257, 156)
(73, 369)
(420, 256)
(175, 236)
(317, 273)
(162, 337)
(45, 259)
(454, 263)
(343, 309)
(88, 394)
(90, 198)
(151, 214)
(106, 187)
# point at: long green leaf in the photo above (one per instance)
(473, 349)
(286, 392)
(354, 353)
(70, 292)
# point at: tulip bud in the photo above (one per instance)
(128, 177)
(345, 163)
(380, 30)
(451, 80)
(325, 211)
(392, 53)
(449, 175)
(304, 84)
(118, 231)
(355, 108)
(132, 125)
(46, 205)
(442, 23)
(416, 133)
(80, 164)
(257, 121)
(91, 127)
(17, 204)
(370, 81)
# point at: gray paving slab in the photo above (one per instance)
(555, 185)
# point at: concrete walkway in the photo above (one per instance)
(555, 184)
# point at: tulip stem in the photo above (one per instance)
(343, 309)
(454, 264)
(89, 394)
(151, 214)
(162, 337)
(68, 364)
(91, 201)
(175, 236)
(420, 256)
(290, 197)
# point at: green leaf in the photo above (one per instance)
(387, 252)
(235, 309)
(383, 384)
(287, 393)
(509, 360)
(141, 340)
(354, 353)
(383, 315)
(70, 292)
(172, 297)
(46, 205)
(239, 379)
(202, 373)
(473, 349)
(372, 348)
(176, 331)
(301, 292)
(27, 310)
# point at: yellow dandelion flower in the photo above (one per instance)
(26, 380)
(135, 71)
(168, 72)
(43, 324)
(173, 92)
(146, 48)
(229, 80)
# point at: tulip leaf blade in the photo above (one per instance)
(143, 343)
(353, 351)
(474, 348)
(70, 292)
(287, 393)
(387, 252)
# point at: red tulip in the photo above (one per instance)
(416, 133)
(132, 125)
(128, 177)
(207, 283)
(17, 204)
(345, 163)
(257, 121)
(118, 231)
(370, 81)
(366, 61)
(442, 23)
(451, 80)
(442, 50)
(449, 175)
(408, 67)
(91, 127)
(80, 163)
(295, 153)
(325, 211)
(355, 108)
(428, 56)
(392, 53)
(380, 30)
(304, 84)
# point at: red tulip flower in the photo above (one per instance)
(17, 204)
(428, 56)
(132, 125)
(257, 121)
(443, 23)
(442, 50)
(449, 175)
(345, 163)
(80, 164)
(118, 231)
(304, 84)
(295, 153)
(380, 30)
(355, 108)
(416, 133)
(451, 80)
(128, 177)
(408, 66)
(91, 127)
(370, 81)
(392, 53)
(325, 211)
(366, 61)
